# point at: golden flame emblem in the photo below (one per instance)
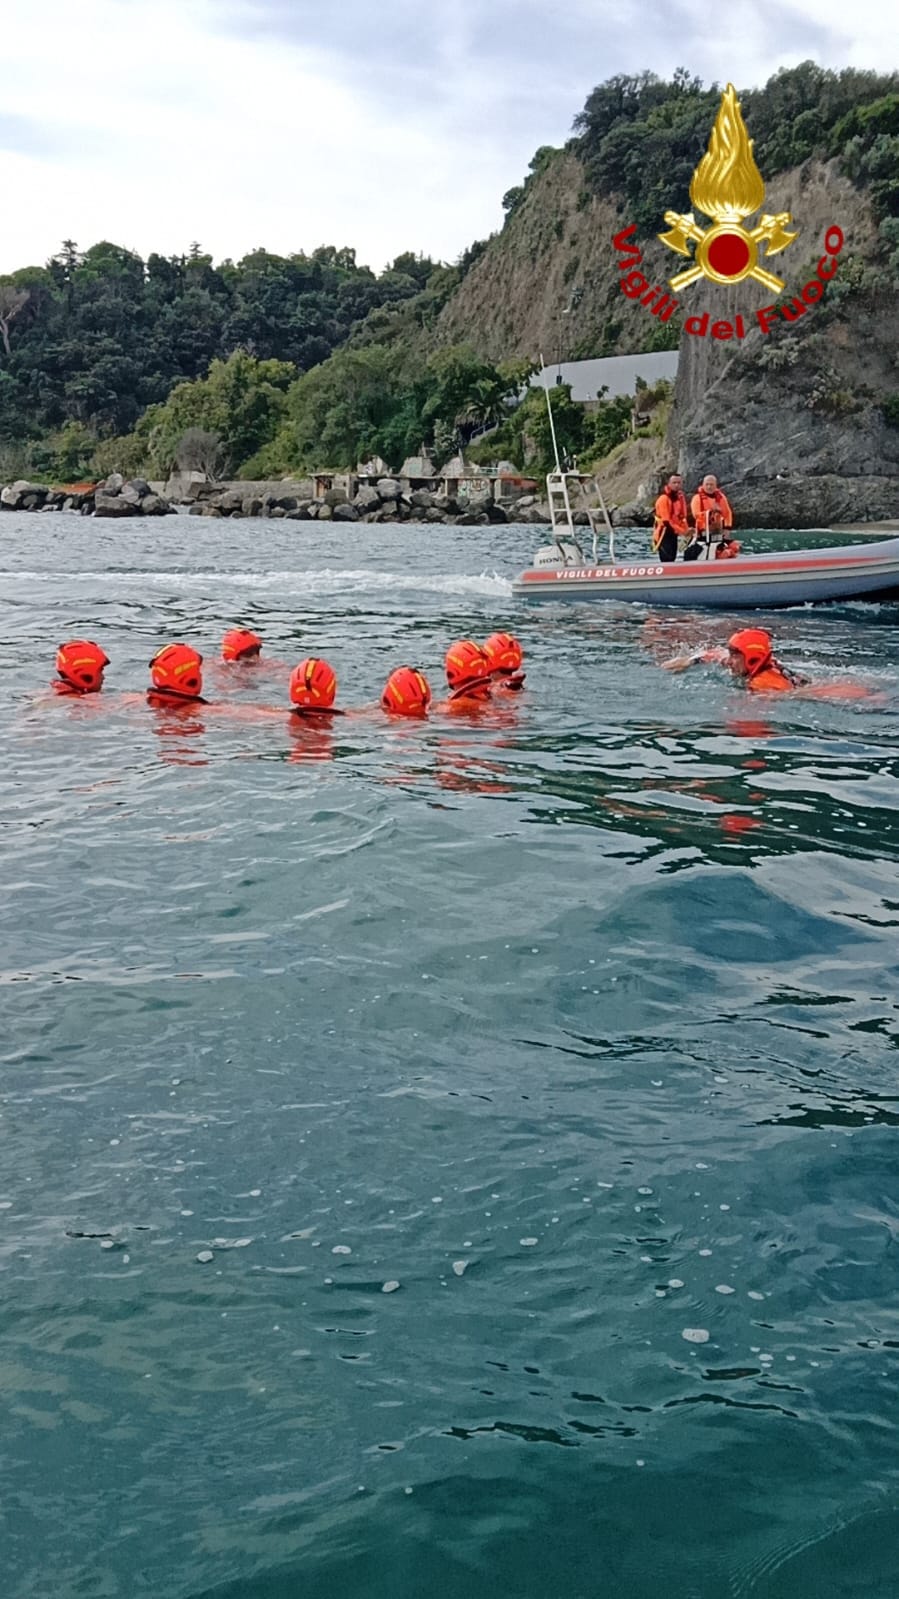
(727, 186)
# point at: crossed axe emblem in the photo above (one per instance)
(769, 230)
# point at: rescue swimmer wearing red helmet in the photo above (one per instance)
(176, 676)
(241, 644)
(750, 657)
(79, 665)
(407, 692)
(504, 657)
(313, 688)
(468, 675)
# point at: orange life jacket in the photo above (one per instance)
(704, 504)
(670, 511)
(772, 679)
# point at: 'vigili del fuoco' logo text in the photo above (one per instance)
(728, 187)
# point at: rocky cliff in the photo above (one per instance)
(549, 281)
(792, 422)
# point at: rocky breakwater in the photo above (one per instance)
(117, 496)
(25, 496)
(388, 500)
(114, 497)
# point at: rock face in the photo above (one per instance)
(791, 421)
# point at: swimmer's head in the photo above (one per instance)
(241, 645)
(176, 671)
(750, 651)
(80, 665)
(504, 653)
(467, 667)
(407, 692)
(313, 685)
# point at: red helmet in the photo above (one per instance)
(80, 666)
(466, 665)
(177, 669)
(407, 692)
(754, 645)
(240, 645)
(313, 685)
(503, 652)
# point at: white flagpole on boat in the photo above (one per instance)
(552, 425)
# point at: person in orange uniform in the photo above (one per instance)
(468, 676)
(80, 665)
(313, 689)
(407, 692)
(241, 644)
(176, 676)
(672, 521)
(750, 657)
(712, 515)
(504, 657)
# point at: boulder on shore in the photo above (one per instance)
(134, 497)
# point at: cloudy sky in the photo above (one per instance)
(292, 123)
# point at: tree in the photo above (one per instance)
(12, 301)
(242, 401)
(200, 450)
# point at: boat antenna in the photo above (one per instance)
(552, 425)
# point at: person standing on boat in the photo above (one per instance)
(672, 521)
(711, 514)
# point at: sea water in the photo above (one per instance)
(448, 1158)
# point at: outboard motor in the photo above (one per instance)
(562, 554)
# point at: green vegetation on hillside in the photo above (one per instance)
(93, 338)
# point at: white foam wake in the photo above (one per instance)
(329, 580)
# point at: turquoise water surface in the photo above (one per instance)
(530, 1080)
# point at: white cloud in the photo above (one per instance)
(259, 122)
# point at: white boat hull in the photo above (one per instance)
(780, 578)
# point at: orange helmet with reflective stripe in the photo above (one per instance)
(753, 644)
(503, 652)
(240, 645)
(177, 669)
(313, 685)
(407, 692)
(80, 666)
(466, 665)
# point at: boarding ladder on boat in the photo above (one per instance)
(561, 516)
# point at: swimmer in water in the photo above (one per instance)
(176, 676)
(749, 656)
(241, 644)
(80, 665)
(407, 692)
(504, 657)
(313, 689)
(468, 676)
